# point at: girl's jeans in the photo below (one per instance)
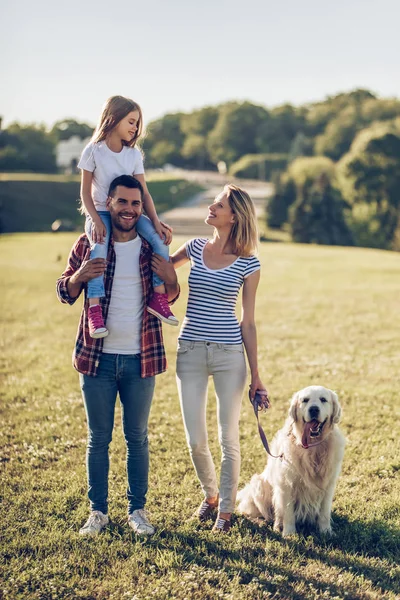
(117, 374)
(196, 362)
(146, 229)
(95, 287)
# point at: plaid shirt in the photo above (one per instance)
(87, 353)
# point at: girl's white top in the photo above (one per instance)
(106, 165)
(213, 293)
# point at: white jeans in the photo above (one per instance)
(196, 362)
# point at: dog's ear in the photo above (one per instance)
(293, 408)
(336, 408)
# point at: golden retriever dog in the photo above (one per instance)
(300, 486)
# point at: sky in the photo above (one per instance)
(63, 60)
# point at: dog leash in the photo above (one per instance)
(262, 402)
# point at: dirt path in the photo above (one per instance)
(188, 219)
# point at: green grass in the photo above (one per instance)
(32, 204)
(324, 315)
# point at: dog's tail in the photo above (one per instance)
(255, 499)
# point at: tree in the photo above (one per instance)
(317, 217)
(339, 134)
(280, 128)
(194, 150)
(236, 132)
(65, 129)
(282, 199)
(163, 141)
(27, 148)
(370, 174)
(321, 113)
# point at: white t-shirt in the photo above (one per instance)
(106, 165)
(124, 319)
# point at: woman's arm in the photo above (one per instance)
(163, 231)
(249, 331)
(99, 230)
(180, 257)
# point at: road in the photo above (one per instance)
(188, 219)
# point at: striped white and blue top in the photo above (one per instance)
(210, 314)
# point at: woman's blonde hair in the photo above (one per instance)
(114, 110)
(244, 232)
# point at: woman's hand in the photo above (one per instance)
(164, 231)
(99, 231)
(256, 385)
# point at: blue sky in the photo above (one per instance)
(64, 60)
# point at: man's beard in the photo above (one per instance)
(117, 224)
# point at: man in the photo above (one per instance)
(126, 361)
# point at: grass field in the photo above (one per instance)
(325, 315)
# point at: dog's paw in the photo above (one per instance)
(325, 527)
(327, 531)
(288, 531)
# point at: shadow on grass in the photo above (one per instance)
(350, 549)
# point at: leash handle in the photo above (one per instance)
(262, 402)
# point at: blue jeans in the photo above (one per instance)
(146, 229)
(95, 287)
(117, 373)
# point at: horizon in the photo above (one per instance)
(310, 102)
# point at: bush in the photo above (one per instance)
(306, 170)
(259, 166)
(279, 203)
(317, 217)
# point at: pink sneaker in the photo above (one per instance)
(158, 306)
(97, 329)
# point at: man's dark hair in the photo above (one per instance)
(126, 181)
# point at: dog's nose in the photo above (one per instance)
(314, 412)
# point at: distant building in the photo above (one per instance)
(68, 153)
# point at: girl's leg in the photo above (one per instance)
(158, 305)
(229, 374)
(95, 287)
(192, 381)
(145, 228)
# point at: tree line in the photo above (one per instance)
(335, 161)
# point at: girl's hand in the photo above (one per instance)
(98, 231)
(256, 385)
(164, 231)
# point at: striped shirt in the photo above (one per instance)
(87, 353)
(213, 294)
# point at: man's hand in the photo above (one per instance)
(164, 269)
(88, 270)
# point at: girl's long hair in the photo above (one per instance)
(114, 110)
(244, 232)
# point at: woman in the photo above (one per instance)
(211, 342)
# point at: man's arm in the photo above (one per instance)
(78, 272)
(166, 271)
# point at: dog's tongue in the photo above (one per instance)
(306, 438)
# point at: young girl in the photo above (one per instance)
(111, 153)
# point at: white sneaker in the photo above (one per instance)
(139, 522)
(95, 523)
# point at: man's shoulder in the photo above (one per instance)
(81, 244)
